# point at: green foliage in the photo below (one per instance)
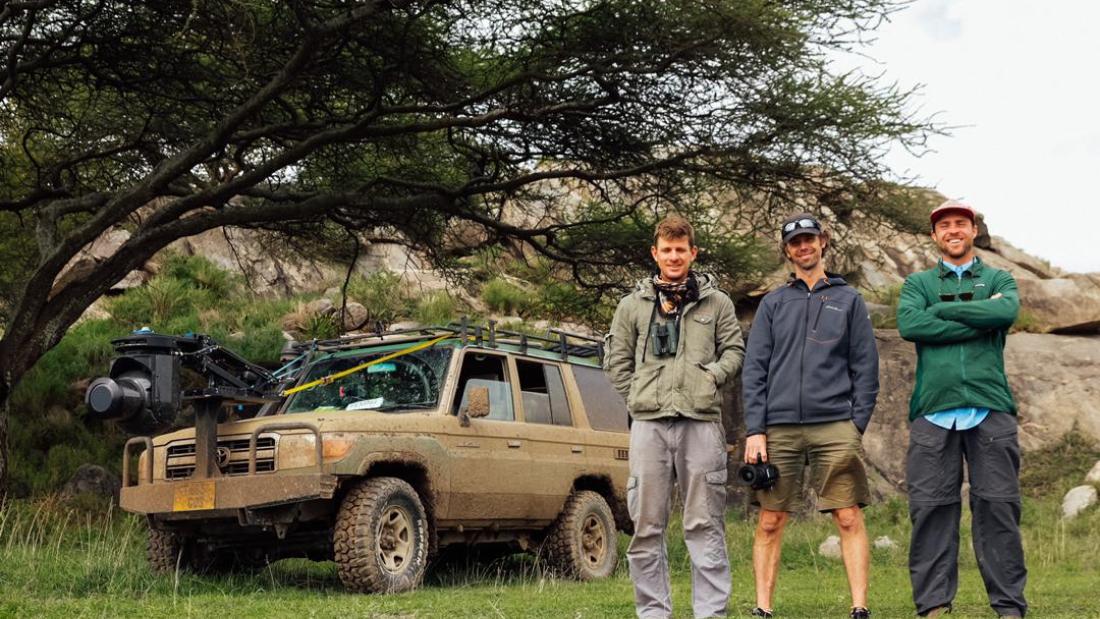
(201, 274)
(382, 293)
(318, 326)
(504, 297)
(435, 308)
(47, 441)
(154, 303)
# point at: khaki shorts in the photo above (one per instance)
(831, 451)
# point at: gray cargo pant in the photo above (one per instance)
(934, 475)
(691, 454)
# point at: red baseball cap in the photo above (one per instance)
(952, 206)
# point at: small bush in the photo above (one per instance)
(320, 327)
(154, 303)
(436, 308)
(504, 297)
(199, 273)
(382, 293)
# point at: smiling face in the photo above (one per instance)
(805, 251)
(673, 257)
(954, 234)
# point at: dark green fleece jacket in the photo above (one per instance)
(960, 344)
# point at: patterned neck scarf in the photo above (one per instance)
(673, 296)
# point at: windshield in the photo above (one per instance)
(408, 382)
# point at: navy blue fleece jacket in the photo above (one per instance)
(811, 357)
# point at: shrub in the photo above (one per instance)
(382, 293)
(154, 303)
(504, 297)
(319, 327)
(436, 308)
(199, 273)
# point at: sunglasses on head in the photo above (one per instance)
(801, 223)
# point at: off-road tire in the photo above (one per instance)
(163, 552)
(381, 538)
(582, 543)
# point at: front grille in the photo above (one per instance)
(181, 457)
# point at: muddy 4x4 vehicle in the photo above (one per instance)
(373, 451)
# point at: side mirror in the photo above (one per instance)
(477, 405)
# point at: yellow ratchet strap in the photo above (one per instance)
(324, 380)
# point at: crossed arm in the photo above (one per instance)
(951, 322)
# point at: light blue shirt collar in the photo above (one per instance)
(959, 269)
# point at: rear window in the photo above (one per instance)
(605, 407)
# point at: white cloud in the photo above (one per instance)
(1017, 79)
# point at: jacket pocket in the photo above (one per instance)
(645, 389)
(704, 389)
(831, 322)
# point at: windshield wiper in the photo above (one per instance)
(415, 405)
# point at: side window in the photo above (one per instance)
(604, 406)
(481, 370)
(543, 393)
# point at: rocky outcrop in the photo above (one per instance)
(1069, 304)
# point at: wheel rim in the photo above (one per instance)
(394, 539)
(593, 541)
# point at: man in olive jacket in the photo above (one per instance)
(673, 344)
(958, 313)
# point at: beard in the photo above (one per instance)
(956, 251)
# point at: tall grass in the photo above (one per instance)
(61, 559)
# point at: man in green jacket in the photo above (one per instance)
(673, 344)
(958, 313)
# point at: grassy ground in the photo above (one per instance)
(57, 560)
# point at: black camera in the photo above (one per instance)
(664, 337)
(758, 476)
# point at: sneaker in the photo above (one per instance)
(1009, 617)
(760, 612)
(938, 611)
(859, 612)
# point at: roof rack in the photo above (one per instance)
(565, 343)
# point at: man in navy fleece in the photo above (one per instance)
(810, 382)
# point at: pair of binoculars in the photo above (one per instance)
(664, 339)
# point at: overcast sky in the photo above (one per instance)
(1019, 79)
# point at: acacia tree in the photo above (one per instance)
(405, 118)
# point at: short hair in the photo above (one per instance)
(674, 227)
(825, 236)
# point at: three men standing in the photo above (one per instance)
(674, 342)
(810, 383)
(958, 313)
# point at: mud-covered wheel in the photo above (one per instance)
(381, 537)
(164, 552)
(583, 541)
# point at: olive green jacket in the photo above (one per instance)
(709, 353)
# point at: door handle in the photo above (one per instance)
(514, 444)
(577, 449)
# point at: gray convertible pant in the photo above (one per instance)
(691, 454)
(934, 475)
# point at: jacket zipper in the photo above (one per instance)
(817, 316)
(802, 358)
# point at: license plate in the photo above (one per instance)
(194, 496)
